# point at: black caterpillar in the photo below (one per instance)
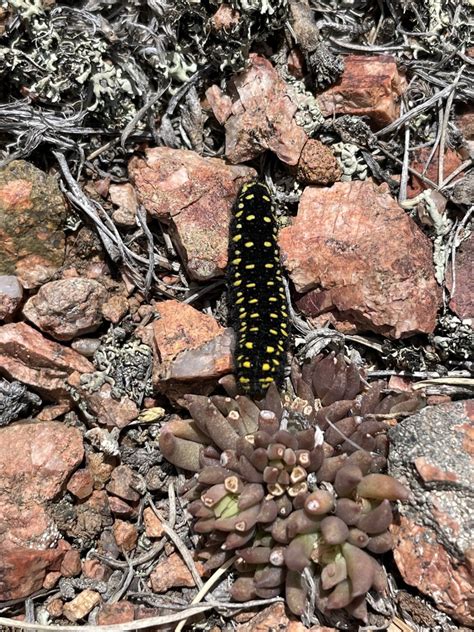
(257, 300)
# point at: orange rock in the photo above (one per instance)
(125, 535)
(450, 163)
(24, 570)
(81, 484)
(32, 214)
(51, 579)
(115, 308)
(71, 564)
(123, 483)
(369, 86)
(432, 570)
(192, 347)
(172, 573)
(220, 103)
(55, 608)
(27, 356)
(341, 246)
(124, 196)
(194, 195)
(153, 526)
(263, 116)
(118, 612)
(93, 569)
(462, 293)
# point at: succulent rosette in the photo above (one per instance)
(295, 485)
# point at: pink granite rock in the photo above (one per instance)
(194, 195)
(357, 254)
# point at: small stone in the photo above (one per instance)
(191, 346)
(67, 308)
(115, 308)
(153, 526)
(172, 573)
(11, 295)
(81, 484)
(118, 612)
(55, 608)
(124, 196)
(369, 86)
(123, 483)
(86, 346)
(462, 291)
(27, 356)
(220, 103)
(317, 164)
(263, 116)
(120, 508)
(110, 412)
(51, 579)
(81, 605)
(93, 569)
(125, 535)
(99, 469)
(451, 162)
(274, 618)
(71, 564)
(32, 216)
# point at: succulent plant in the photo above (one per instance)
(293, 484)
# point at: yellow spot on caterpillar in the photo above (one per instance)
(240, 357)
(269, 265)
(241, 205)
(248, 244)
(270, 349)
(237, 283)
(244, 380)
(237, 238)
(250, 285)
(274, 332)
(250, 197)
(266, 366)
(265, 380)
(239, 213)
(267, 244)
(275, 362)
(266, 198)
(240, 293)
(246, 364)
(273, 315)
(267, 219)
(253, 301)
(248, 345)
(272, 299)
(249, 218)
(240, 300)
(270, 283)
(255, 315)
(250, 266)
(253, 329)
(236, 262)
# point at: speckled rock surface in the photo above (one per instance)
(433, 451)
(361, 257)
(263, 116)
(32, 215)
(11, 294)
(67, 308)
